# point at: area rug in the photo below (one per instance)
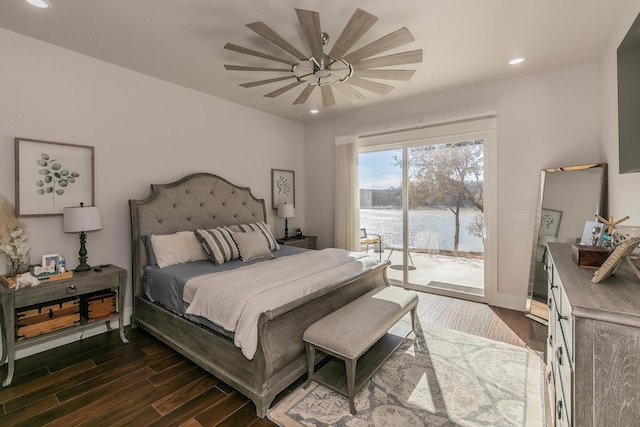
(444, 378)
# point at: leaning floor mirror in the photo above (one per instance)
(568, 197)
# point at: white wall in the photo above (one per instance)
(624, 189)
(144, 131)
(544, 120)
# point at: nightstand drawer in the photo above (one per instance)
(77, 285)
(307, 242)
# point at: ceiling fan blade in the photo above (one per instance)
(310, 22)
(411, 57)
(244, 68)
(390, 41)
(327, 96)
(304, 95)
(375, 87)
(241, 49)
(349, 92)
(264, 82)
(385, 74)
(358, 24)
(266, 32)
(284, 89)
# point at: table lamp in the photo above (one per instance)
(285, 211)
(79, 219)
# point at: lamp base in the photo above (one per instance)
(83, 266)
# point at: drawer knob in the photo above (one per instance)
(559, 356)
(561, 317)
(549, 377)
(72, 289)
(559, 409)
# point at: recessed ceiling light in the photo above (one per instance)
(516, 61)
(314, 111)
(42, 4)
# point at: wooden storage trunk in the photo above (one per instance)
(99, 305)
(43, 318)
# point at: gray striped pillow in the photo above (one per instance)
(261, 227)
(218, 244)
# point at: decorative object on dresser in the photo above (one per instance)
(589, 256)
(620, 253)
(52, 175)
(286, 211)
(593, 346)
(277, 357)
(47, 312)
(610, 224)
(80, 219)
(283, 188)
(13, 242)
(306, 242)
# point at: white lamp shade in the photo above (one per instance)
(285, 211)
(81, 218)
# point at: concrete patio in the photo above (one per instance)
(455, 273)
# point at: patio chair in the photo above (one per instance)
(371, 239)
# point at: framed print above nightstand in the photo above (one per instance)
(51, 176)
(283, 188)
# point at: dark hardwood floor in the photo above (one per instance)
(101, 382)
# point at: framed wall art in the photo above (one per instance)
(283, 188)
(51, 176)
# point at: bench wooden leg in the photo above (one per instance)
(350, 366)
(310, 363)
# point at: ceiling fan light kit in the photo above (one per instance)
(339, 69)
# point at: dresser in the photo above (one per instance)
(593, 346)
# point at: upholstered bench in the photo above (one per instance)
(357, 334)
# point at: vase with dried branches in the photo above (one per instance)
(13, 242)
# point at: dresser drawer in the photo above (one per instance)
(565, 378)
(566, 323)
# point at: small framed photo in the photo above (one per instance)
(592, 233)
(283, 188)
(549, 222)
(50, 261)
(51, 176)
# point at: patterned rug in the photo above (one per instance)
(445, 378)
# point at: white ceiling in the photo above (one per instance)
(181, 41)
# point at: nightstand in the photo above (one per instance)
(81, 285)
(307, 242)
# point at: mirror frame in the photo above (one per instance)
(599, 211)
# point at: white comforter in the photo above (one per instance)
(235, 299)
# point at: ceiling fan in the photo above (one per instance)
(336, 69)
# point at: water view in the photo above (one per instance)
(430, 230)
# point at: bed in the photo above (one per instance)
(206, 201)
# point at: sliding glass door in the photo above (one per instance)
(425, 200)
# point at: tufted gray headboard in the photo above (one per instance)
(201, 200)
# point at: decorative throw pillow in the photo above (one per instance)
(251, 245)
(176, 248)
(218, 244)
(262, 228)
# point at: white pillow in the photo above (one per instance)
(177, 248)
(252, 245)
